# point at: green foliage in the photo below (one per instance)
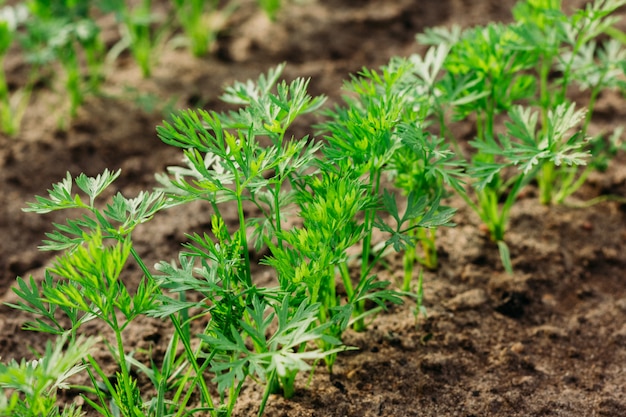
(28, 388)
(12, 104)
(62, 31)
(201, 21)
(271, 7)
(382, 130)
(491, 71)
(314, 205)
(269, 334)
(67, 33)
(141, 32)
(276, 355)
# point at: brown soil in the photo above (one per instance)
(547, 341)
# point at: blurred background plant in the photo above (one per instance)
(67, 34)
(12, 104)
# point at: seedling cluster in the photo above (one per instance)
(64, 34)
(391, 137)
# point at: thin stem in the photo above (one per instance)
(490, 116)
(243, 237)
(266, 394)
(122, 362)
(570, 185)
(427, 237)
(369, 219)
(590, 107)
(6, 115)
(544, 73)
(408, 261)
(370, 213)
(277, 219)
(192, 358)
(479, 125)
(347, 281)
(73, 84)
(233, 395)
(181, 332)
(546, 182)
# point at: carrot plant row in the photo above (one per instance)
(65, 34)
(384, 159)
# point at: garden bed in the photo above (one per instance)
(547, 340)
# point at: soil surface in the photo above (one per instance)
(549, 340)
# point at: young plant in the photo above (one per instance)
(84, 283)
(380, 131)
(490, 70)
(12, 105)
(424, 167)
(498, 69)
(313, 254)
(227, 165)
(569, 45)
(140, 32)
(509, 163)
(31, 386)
(62, 31)
(493, 74)
(271, 7)
(202, 20)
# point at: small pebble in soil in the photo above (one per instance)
(468, 300)
(552, 332)
(352, 373)
(523, 380)
(517, 347)
(548, 300)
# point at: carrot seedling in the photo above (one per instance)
(140, 30)
(61, 32)
(12, 104)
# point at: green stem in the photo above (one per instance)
(6, 115)
(570, 185)
(427, 237)
(490, 117)
(73, 82)
(191, 356)
(277, 219)
(328, 295)
(546, 183)
(232, 399)
(479, 125)
(347, 281)
(544, 100)
(266, 393)
(126, 382)
(243, 237)
(489, 213)
(375, 176)
(446, 133)
(408, 261)
(590, 107)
